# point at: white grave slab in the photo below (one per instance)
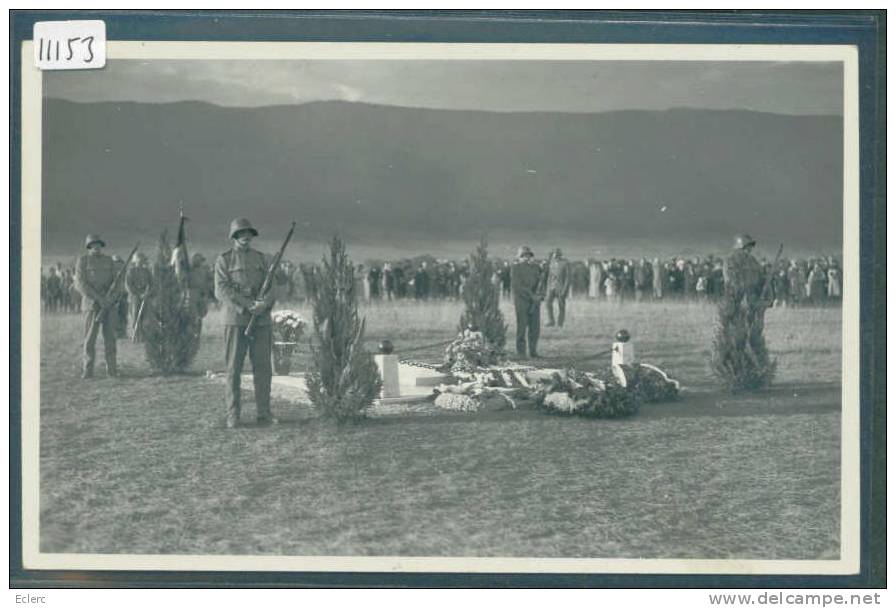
(415, 384)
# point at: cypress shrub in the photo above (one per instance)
(170, 330)
(481, 300)
(740, 359)
(344, 380)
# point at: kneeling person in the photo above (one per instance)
(239, 276)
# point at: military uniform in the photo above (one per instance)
(121, 305)
(200, 283)
(527, 287)
(54, 291)
(743, 277)
(743, 296)
(138, 282)
(239, 275)
(558, 288)
(94, 276)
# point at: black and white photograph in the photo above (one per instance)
(451, 307)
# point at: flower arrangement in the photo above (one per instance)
(616, 392)
(576, 393)
(470, 351)
(654, 385)
(619, 394)
(288, 326)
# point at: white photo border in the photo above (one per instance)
(31, 143)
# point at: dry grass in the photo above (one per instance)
(144, 465)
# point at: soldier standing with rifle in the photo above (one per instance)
(122, 304)
(747, 296)
(100, 287)
(242, 285)
(138, 282)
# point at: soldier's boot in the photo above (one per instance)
(87, 371)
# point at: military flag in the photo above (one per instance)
(180, 259)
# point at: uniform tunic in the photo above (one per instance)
(138, 282)
(201, 284)
(558, 289)
(239, 275)
(743, 276)
(743, 299)
(94, 276)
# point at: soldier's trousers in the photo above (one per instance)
(528, 325)
(107, 322)
(561, 308)
(258, 347)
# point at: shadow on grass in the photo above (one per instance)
(786, 400)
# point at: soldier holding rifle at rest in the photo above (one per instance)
(239, 275)
(747, 291)
(121, 305)
(94, 277)
(138, 282)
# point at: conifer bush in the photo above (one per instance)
(481, 300)
(170, 329)
(344, 380)
(740, 359)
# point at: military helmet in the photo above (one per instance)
(240, 224)
(91, 239)
(558, 252)
(742, 241)
(524, 252)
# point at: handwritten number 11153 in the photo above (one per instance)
(54, 50)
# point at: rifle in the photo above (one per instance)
(771, 273)
(268, 279)
(113, 289)
(139, 317)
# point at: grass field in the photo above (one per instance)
(143, 464)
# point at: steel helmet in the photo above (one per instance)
(93, 238)
(742, 241)
(240, 224)
(524, 252)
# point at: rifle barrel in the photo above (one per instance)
(268, 279)
(116, 282)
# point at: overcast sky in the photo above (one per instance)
(552, 86)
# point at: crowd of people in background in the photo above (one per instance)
(794, 282)
(814, 281)
(57, 289)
